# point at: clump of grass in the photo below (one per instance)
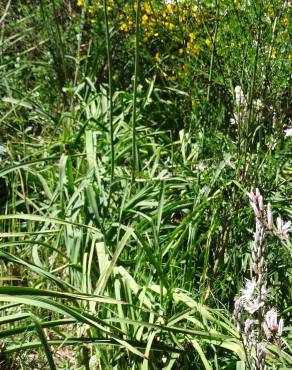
(122, 192)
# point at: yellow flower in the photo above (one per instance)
(181, 50)
(193, 48)
(192, 36)
(196, 49)
(208, 42)
(124, 27)
(144, 18)
(169, 8)
(285, 21)
(147, 8)
(170, 78)
(79, 3)
(165, 16)
(171, 26)
(157, 57)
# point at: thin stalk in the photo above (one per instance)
(251, 92)
(5, 12)
(78, 55)
(134, 117)
(110, 93)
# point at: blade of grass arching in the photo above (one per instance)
(8, 307)
(131, 286)
(151, 336)
(43, 339)
(88, 269)
(230, 345)
(26, 234)
(101, 284)
(9, 169)
(147, 99)
(117, 287)
(182, 316)
(110, 93)
(93, 203)
(204, 284)
(24, 291)
(26, 102)
(207, 335)
(135, 159)
(13, 318)
(180, 234)
(206, 313)
(83, 317)
(36, 269)
(171, 362)
(159, 347)
(152, 258)
(27, 328)
(200, 351)
(27, 217)
(103, 257)
(30, 242)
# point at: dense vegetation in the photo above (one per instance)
(131, 132)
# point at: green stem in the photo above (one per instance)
(134, 117)
(110, 94)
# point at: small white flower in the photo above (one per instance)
(248, 325)
(254, 306)
(270, 217)
(282, 228)
(248, 291)
(258, 104)
(288, 132)
(271, 325)
(234, 121)
(239, 97)
(200, 167)
(280, 327)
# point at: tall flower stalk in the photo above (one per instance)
(258, 325)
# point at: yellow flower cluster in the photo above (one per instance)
(173, 34)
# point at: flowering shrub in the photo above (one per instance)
(200, 48)
(175, 33)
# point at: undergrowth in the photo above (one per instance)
(131, 133)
